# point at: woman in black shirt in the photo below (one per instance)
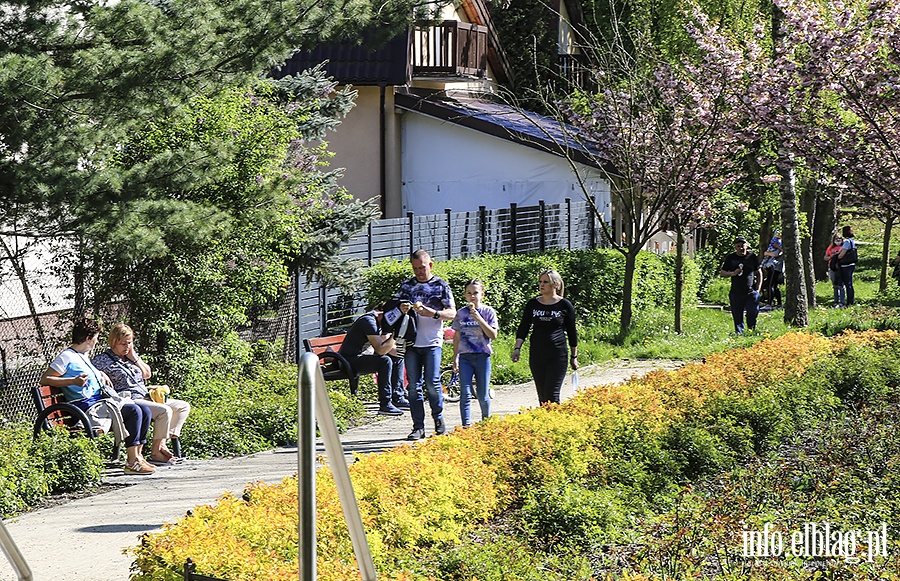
(553, 321)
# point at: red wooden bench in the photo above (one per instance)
(334, 365)
(53, 411)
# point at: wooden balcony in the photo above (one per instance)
(449, 49)
(574, 70)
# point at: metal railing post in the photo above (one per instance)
(542, 239)
(312, 391)
(15, 558)
(411, 247)
(308, 367)
(482, 224)
(569, 222)
(323, 309)
(512, 223)
(449, 234)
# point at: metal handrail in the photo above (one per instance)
(312, 403)
(13, 555)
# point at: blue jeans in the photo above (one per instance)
(424, 362)
(479, 366)
(741, 301)
(135, 416)
(847, 281)
(398, 390)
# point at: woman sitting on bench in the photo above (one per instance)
(82, 383)
(128, 373)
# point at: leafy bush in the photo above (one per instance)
(56, 462)
(244, 400)
(574, 516)
(70, 464)
(857, 374)
(843, 473)
(860, 319)
(22, 478)
(501, 557)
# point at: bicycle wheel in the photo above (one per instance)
(450, 384)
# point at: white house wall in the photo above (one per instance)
(449, 166)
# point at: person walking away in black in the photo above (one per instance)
(364, 333)
(552, 318)
(742, 266)
(847, 258)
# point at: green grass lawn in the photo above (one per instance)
(707, 330)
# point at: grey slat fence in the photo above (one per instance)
(511, 230)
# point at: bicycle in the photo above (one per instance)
(451, 388)
(450, 384)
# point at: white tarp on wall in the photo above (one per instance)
(449, 166)
(48, 292)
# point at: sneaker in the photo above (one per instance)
(139, 468)
(439, 426)
(389, 409)
(416, 434)
(401, 402)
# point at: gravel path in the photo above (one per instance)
(83, 539)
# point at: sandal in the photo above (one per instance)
(139, 468)
(160, 462)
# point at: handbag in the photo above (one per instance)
(159, 393)
(851, 256)
(834, 263)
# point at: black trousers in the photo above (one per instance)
(548, 368)
(382, 365)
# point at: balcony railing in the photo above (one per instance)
(575, 70)
(449, 49)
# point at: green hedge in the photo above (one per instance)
(593, 281)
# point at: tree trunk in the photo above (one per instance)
(679, 275)
(796, 310)
(765, 233)
(885, 252)
(822, 232)
(627, 291)
(808, 203)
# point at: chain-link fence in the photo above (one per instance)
(28, 343)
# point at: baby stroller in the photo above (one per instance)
(773, 277)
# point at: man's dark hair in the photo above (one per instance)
(847, 231)
(84, 329)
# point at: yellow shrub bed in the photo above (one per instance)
(435, 491)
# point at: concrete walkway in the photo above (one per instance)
(84, 539)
